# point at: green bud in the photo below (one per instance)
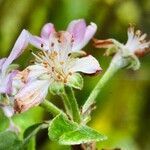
(56, 88)
(75, 81)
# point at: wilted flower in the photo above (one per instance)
(8, 71)
(58, 60)
(135, 47)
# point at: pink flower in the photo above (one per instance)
(5, 76)
(7, 73)
(59, 58)
(135, 45)
(126, 54)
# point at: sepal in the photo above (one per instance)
(75, 81)
(56, 88)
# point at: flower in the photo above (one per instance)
(8, 71)
(135, 47)
(60, 57)
(136, 42)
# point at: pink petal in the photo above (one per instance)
(47, 30)
(6, 83)
(8, 110)
(77, 28)
(2, 62)
(37, 42)
(88, 65)
(31, 95)
(90, 31)
(18, 48)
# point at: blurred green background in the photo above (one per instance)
(123, 108)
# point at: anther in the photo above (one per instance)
(53, 69)
(61, 62)
(42, 45)
(52, 44)
(70, 73)
(65, 80)
(58, 76)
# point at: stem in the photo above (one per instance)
(66, 104)
(116, 64)
(74, 104)
(51, 108)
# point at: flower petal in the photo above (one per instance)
(1, 62)
(47, 30)
(77, 28)
(31, 95)
(6, 83)
(18, 48)
(38, 42)
(8, 110)
(90, 31)
(87, 65)
(35, 71)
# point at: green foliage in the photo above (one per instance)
(9, 141)
(82, 134)
(67, 132)
(31, 129)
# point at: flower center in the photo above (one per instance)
(56, 68)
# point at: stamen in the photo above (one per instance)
(36, 56)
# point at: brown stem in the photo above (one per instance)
(86, 146)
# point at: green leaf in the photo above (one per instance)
(30, 130)
(60, 125)
(83, 134)
(66, 132)
(56, 88)
(9, 141)
(75, 81)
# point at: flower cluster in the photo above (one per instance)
(57, 62)
(58, 59)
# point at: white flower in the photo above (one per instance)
(136, 42)
(59, 58)
(126, 54)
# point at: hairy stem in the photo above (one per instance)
(117, 63)
(74, 104)
(51, 108)
(66, 104)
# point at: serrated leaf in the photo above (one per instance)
(60, 125)
(81, 135)
(66, 132)
(9, 141)
(75, 81)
